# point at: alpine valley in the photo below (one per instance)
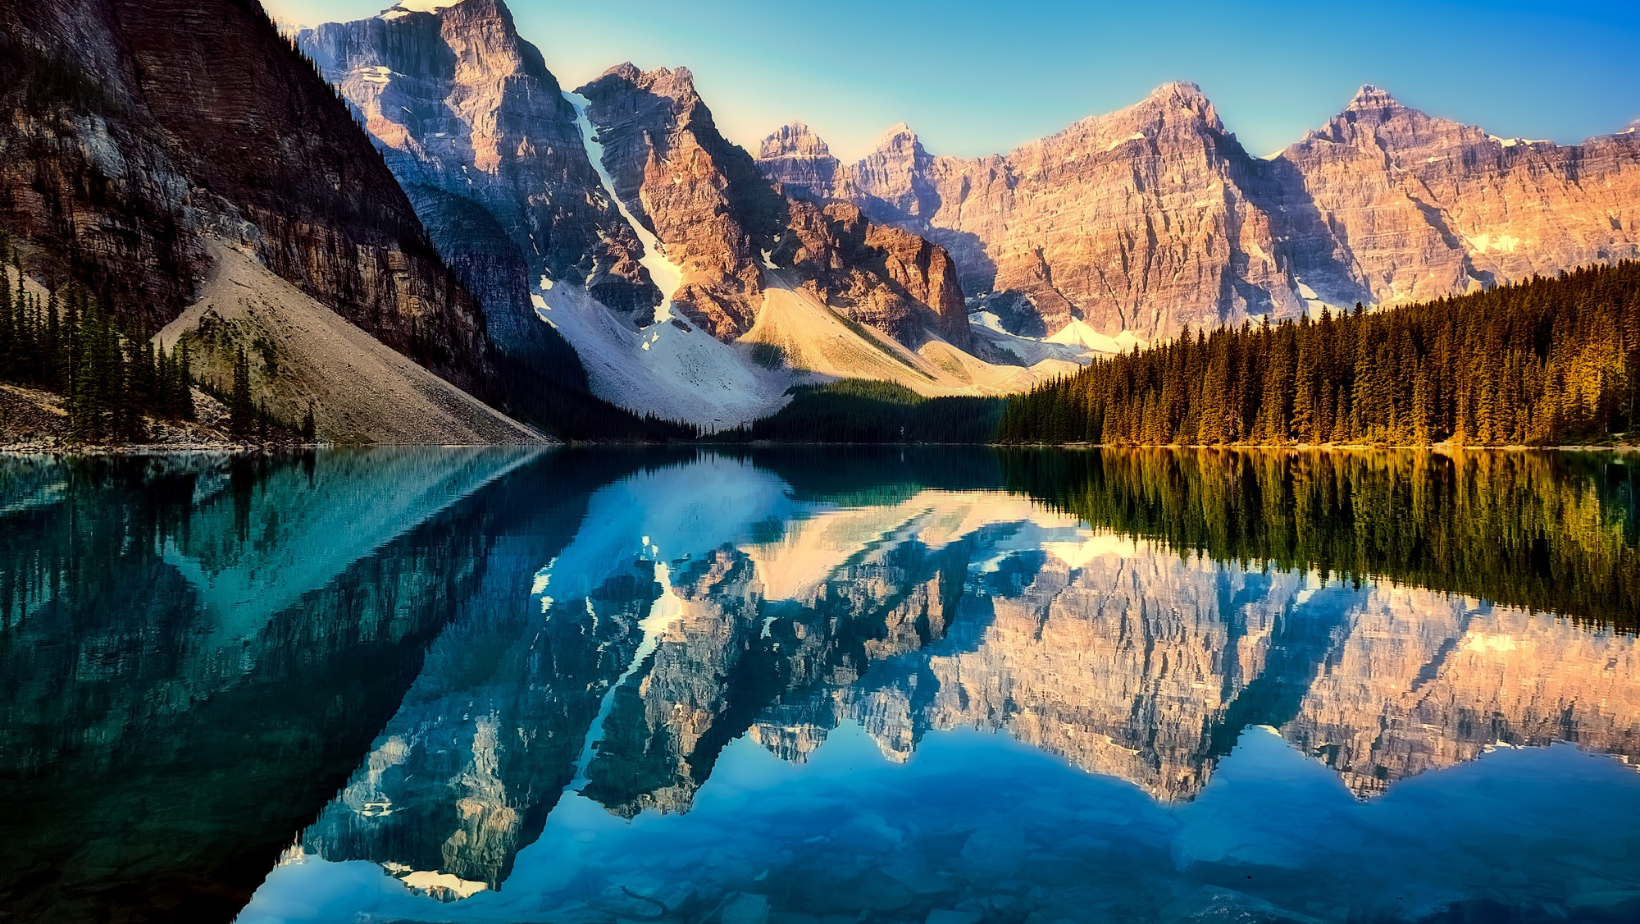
(688, 284)
(447, 245)
(446, 479)
(699, 284)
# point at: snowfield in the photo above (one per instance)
(1076, 345)
(662, 369)
(667, 276)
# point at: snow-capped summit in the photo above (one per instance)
(405, 7)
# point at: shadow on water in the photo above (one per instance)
(195, 650)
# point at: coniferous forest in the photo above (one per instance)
(112, 376)
(1552, 532)
(1541, 362)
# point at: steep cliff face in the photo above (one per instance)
(619, 220)
(152, 124)
(1153, 218)
(873, 273)
(86, 191)
(699, 194)
(462, 108)
(1428, 207)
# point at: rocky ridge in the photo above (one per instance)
(1154, 217)
(620, 216)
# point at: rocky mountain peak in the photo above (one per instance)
(898, 137)
(408, 7)
(1178, 97)
(799, 161)
(1370, 97)
(676, 84)
(700, 195)
(794, 139)
(1179, 91)
(1179, 104)
(1374, 113)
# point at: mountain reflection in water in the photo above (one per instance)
(583, 686)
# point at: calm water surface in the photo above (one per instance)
(820, 687)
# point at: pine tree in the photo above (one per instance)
(241, 409)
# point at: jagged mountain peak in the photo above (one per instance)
(1180, 95)
(1373, 112)
(632, 73)
(1183, 90)
(1371, 97)
(676, 84)
(1176, 105)
(794, 139)
(898, 137)
(1163, 104)
(407, 7)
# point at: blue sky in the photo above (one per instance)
(976, 78)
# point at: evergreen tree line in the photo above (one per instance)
(110, 373)
(1551, 532)
(567, 410)
(249, 419)
(1540, 362)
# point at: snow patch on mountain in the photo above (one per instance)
(671, 370)
(1079, 333)
(666, 275)
(1074, 346)
(406, 7)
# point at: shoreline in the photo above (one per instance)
(149, 449)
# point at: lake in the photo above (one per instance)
(820, 686)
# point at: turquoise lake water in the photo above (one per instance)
(820, 686)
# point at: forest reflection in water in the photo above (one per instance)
(583, 686)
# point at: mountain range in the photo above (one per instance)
(620, 215)
(1155, 218)
(608, 248)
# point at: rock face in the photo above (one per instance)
(723, 223)
(137, 128)
(620, 216)
(1153, 218)
(696, 192)
(477, 129)
(874, 273)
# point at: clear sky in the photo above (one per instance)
(976, 78)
